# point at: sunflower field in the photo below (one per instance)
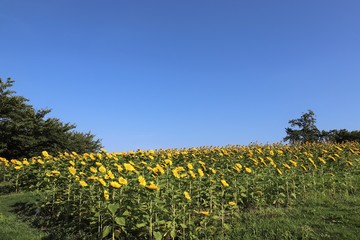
(189, 193)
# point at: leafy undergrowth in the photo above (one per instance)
(318, 216)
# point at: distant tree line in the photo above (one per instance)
(304, 130)
(26, 132)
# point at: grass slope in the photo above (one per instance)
(11, 226)
(318, 217)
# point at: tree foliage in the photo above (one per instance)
(343, 135)
(306, 129)
(25, 132)
(308, 132)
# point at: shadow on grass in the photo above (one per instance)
(6, 188)
(54, 227)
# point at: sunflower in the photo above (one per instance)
(72, 170)
(106, 195)
(153, 186)
(224, 183)
(122, 180)
(142, 181)
(115, 184)
(102, 169)
(83, 183)
(187, 196)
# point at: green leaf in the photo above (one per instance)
(168, 224)
(216, 217)
(183, 225)
(106, 231)
(140, 225)
(227, 226)
(242, 189)
(126, 213)
(173, 234)
(157, 235)
(120, 221)
(113, 207)
(161, 222)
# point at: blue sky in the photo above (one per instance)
(163, 74)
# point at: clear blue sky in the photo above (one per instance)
(163, 74)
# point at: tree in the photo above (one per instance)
(26, 132)
(343, 135)
(307, 130)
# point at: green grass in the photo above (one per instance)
(12, 226)
(318, 217)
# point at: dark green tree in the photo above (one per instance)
(26, 132)
(343, 135)
(306, 129)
